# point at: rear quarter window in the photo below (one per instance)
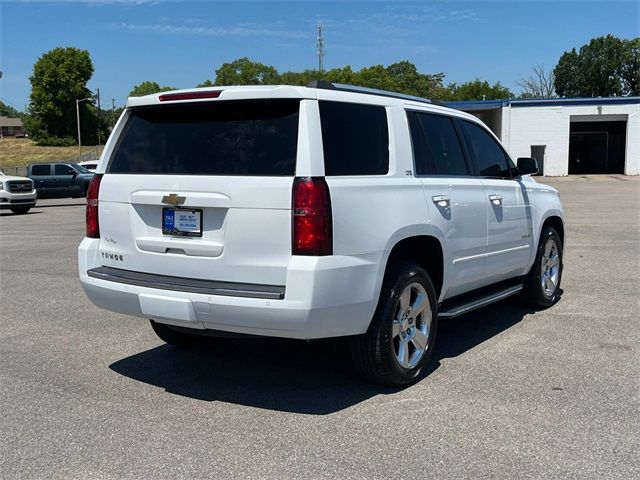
(355, 138)
(257, 137)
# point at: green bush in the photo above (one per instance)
(50, 141)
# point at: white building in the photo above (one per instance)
(567, 135)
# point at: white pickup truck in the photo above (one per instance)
(17, 194)
(311, 212)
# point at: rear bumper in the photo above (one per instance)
(188, 285)
(324, 297)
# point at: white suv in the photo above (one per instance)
(311, 212)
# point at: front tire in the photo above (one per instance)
(20, 210)
(177, 338)
(396, 348)
(542, 284)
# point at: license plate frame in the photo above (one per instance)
(173, 219)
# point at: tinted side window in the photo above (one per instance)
(489, 156)
(422, 160)
(442, 145)
(41, 170)
(355, 138)
(61, 169)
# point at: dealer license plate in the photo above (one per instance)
(182, 222)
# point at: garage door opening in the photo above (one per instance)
(537, 152)
(597, 147)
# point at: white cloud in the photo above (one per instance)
(399, 20)
(89, 2)
(238, 30)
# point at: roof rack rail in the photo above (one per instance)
(343, 87)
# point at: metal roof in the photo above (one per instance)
(476, 105)
(10, 122)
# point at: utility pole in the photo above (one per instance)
(78, 119)
(320, 48)
(78, 102)
(98, 98)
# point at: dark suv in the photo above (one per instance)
(65, 179)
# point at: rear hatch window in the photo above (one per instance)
(253, 138)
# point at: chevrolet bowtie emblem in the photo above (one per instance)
(173, 199)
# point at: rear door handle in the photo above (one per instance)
(441, 200)
(495, 199)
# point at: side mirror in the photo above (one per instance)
(527, 166)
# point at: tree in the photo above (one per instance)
(110, 117)
(299, 78)
(408, 80)
(7, 110)
(400, 77)
(631, 67)
(59, 78)
(148, 88)
(206, 83)
(376, 76)
(246, 72)
(539, 84)
(606, 66)
(477, 90)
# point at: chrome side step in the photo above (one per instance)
(454, 308)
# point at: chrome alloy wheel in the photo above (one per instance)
(411, 325)
(550, 268)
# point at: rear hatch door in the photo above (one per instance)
(202, 190)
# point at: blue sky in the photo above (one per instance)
(181, 43)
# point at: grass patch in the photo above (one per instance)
(19, 152)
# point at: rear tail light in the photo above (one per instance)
(312, 223)
(93, 229)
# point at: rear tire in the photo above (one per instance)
(177, 338)
(396, 348)
(20, 210)
(542, 284)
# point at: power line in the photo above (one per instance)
(10, 103)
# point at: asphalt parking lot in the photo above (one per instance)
(513, 393)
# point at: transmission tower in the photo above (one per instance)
(320, 48)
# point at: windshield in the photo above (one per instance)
(79, 168)
(257, 137)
